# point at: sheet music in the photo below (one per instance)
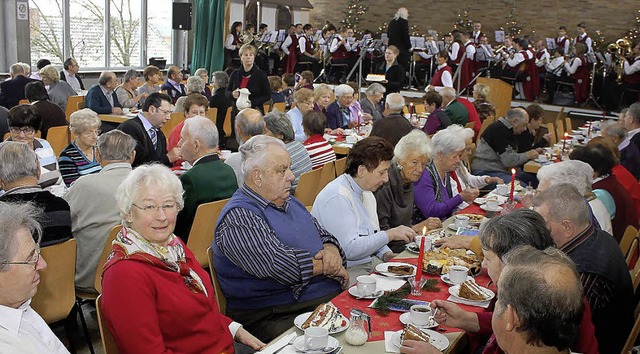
(418, 42)
(282, 34)
(551, 43)
(384, 36)
(274, 37)
(440, 45)
(499, 36)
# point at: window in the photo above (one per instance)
(123, 45)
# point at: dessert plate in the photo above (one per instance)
(455, 290)
(302, 318)
(436, 339)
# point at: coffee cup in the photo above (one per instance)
(316, 338)
(125, 110)
(427, 241)
(502, 189)
(351, 139)
(419, 314)
(458, 274)
(366, 285)
(492, 204)
(461, 221)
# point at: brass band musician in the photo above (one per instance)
(232, 44)
(307, 51)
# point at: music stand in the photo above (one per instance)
(592, 58)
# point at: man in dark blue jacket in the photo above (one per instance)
(101, 98)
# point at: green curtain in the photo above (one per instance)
(208, 40)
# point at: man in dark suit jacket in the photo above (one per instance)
(12, 91)
(151, 144)
(70, 74)
(393, 126)
(101, 98)
(398, 32)
(174, 86)
(456, 111)
(210, 179)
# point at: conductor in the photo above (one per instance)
(398, 33)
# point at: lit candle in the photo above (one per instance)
(589, 131)
(359, 118)
(424, 230)
(564, 141)
(420, 258)
(513, 183)
(411, 109)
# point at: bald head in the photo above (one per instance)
(249, 123)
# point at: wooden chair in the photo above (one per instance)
(23, 101)
(568, 125)
(227, 123)
(419, 108)
(174, 121)
(212, 114)
(552, 131)
(108, 343)
(470, 125)
(59, 138)
(485, 124)
(635, 330)
(265, 108)
(559, 129)
(203, 229)
(627, 238)
(340, 165)
(72, 105)
(633, 250)
(280, 106)
(307, 188)
(56, 292)
(79, 105)
(328, 174)
(635, 276)
(220, 298)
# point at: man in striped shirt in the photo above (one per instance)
(602, 267)
(272, 258)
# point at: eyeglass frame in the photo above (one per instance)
(155, 208)
(92, 132)
(27, 130)
(166, 113)
(34, 261)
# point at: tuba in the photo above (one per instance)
(247, 38)
(621, 48)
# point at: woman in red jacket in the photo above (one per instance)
(156, 297)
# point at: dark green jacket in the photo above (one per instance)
(457, 113)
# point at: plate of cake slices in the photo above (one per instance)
(423, 335)
(471, 291)
(396, 269)
(325, 315)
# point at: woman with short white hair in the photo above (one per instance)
(395, 199)
(79, 157)
(153, 287)
(433, 192)
(371, 102)
(204, 75)
(338, 114)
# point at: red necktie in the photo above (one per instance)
(455, 178)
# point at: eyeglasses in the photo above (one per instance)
(25, 130)
(91, 133)
(166, 113)
(167, 208)
(33, 261)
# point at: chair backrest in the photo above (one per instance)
(328, 174)
(106, 251)
(79, 106)
(341, 164)
(281, 106)
(220, 299)
(56, 294)
(559, 129)
(108, 343)
(635, 276)
(203, 229)
(568, 124)
(485, 124)
(212, 113)
(227, 123)
(307, 188)
(629, 234)
(633, 251)
(552, 133)
(72, 105)
(23, 101)
(419, 108)
(176, 118)
(59, 138)
(265, 108)
(632, 337)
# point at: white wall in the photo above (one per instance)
(236, 12)
(301, 16)
(269, 13)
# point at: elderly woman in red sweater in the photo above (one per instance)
(156, 297)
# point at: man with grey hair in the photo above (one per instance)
(497, 150)
(456, 111)
(249, 123)
(602, 267)
(12, 90)
(629, 153)
(210, 179)
(580, 175)
(631, 122)
(22, 330)
(19, 174)
(371, 102)
(394, 125)
(93, 204)
(398, 34)
(101, 98)
(272, 258)
(338, 114)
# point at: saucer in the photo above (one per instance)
(485, 208)
(405, 318)
(300, 346)
(353, 291)
(445, 279)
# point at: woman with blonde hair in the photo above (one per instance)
(79, 157)
(59, 91)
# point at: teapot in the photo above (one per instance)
(243, 100)
(358, 334)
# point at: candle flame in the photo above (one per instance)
(566, 135)
(411, 104)
(424, 230)
(513, 171)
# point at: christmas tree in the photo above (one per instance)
(634, 33)
(463, 22)
(513, 27)
(354, 14)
